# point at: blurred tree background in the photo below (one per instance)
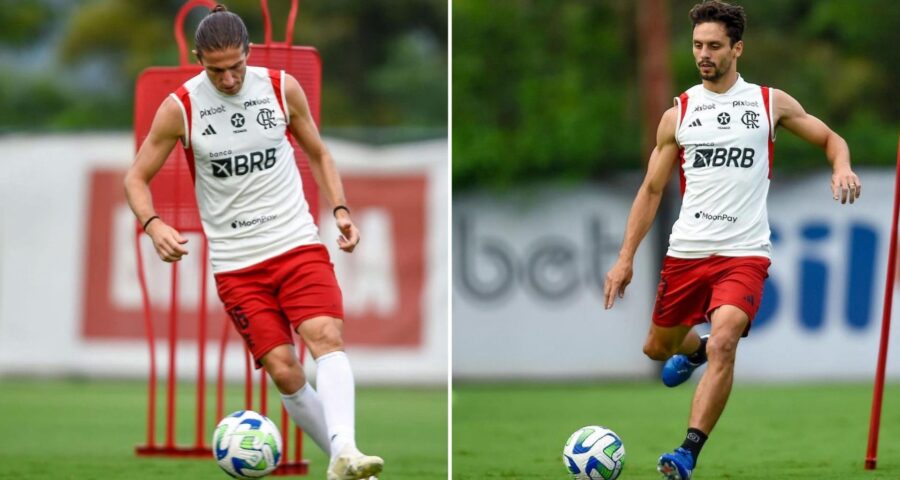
(71, 65)
(548, 89)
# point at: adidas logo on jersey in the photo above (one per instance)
(695, 123)
(209, 131)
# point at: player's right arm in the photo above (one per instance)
(644, 208)
(166, 130)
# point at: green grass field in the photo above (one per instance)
(766, 432)
(88, 430)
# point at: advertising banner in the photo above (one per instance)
(529, 270)
(70, 301)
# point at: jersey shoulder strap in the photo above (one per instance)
(183, 98)
(277, 79)
(681, 103)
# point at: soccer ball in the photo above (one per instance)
(594, 453)
(247, 445)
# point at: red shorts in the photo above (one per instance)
(268, 300)
(690, 289)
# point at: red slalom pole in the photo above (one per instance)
(201, 350)
(173, 346)
(878, 393)
(151, 342)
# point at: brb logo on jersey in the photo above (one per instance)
(719, 157)
(243, 164)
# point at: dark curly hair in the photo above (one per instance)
(732, 16)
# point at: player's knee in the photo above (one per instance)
(288, 376)
(721, 349)
(326, 338)
(284, 369)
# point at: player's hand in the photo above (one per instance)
(618, 277)
(845, 185)
(349, 237)
(167, 241)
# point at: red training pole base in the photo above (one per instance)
(195, 452)
(292, 468)
(870, 464)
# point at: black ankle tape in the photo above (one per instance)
(699, 356)
(694, 441)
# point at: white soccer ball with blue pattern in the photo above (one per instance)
(594, 453)
(247, 445)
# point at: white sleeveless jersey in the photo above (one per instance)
(246, 180)
(726, 147)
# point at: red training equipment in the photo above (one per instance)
(878, 392)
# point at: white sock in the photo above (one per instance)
(334, 380)
(305, 409)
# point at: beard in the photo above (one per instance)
(717, 71)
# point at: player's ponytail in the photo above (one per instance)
(221, 29)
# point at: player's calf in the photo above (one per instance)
(659, 351)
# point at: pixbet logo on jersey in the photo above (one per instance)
(243, 164)
(257, 101)
(206, 112)
(719, 157)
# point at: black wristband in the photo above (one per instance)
(150, 220)
(340, 207)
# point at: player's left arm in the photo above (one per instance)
(791, 115)
(322, 165)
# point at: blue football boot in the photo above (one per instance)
(677, 465)
(678, 369)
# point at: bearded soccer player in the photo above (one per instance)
(272, 272)
(720, 135)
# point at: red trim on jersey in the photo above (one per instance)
(765, 96)
(189, 157)
(684, 101)
(275, 77)
(184, 96)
